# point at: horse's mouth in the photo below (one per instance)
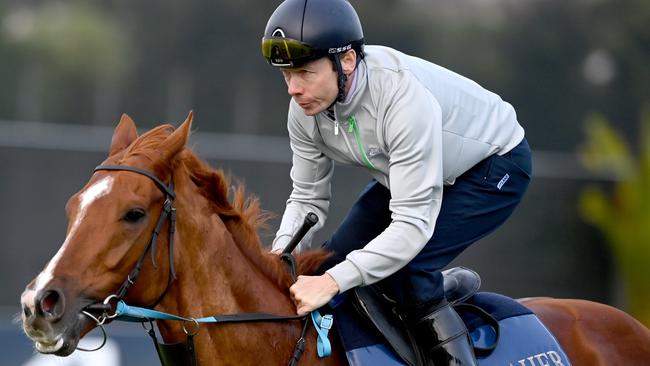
(48, 347)
(60, 343)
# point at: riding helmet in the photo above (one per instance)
(300, 31)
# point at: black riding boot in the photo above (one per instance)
(443, 338)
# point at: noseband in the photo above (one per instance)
(168, 212)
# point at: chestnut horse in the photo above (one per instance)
(592, 333)
(220, 266)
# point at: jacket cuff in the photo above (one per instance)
(346, 275)
(280, 242)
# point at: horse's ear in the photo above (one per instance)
(175, 142)
(125, 133)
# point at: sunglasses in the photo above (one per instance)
(287, 52)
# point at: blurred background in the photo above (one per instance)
(577, 72)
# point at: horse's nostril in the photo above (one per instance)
(27, 312)
(49, 302)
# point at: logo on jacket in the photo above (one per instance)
(372, 151)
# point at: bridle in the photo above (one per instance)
(115, 301)
(168, 212)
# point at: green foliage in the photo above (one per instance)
(72, 38)
(623, 214)
(68, 61)
(167, 56)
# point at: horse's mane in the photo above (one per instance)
(146, 145)
(241, 214)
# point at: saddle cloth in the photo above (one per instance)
(372, 331)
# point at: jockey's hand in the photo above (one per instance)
(311, 292)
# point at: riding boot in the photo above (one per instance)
(443, 338)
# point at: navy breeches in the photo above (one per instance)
(478, 202)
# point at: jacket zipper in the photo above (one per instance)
(331, 115)
(352, 127)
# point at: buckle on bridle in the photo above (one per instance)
(107, 304)
(327, 321)
(196, 325)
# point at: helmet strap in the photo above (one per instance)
(342, 78)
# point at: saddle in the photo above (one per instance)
(502, 330)
(460, 284)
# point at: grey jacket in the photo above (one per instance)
(414, 126)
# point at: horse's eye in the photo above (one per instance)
(134, 215)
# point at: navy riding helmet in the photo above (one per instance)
(300, 31)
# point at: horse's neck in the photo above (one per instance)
(234, 282)
(215, 276)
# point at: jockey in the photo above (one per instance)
(448, 160)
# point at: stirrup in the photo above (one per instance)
(443, 339)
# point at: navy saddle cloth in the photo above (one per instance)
(522, 338)
(372, 332)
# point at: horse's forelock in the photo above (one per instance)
(147, 144)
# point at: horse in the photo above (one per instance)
(219, 265)
(592, 333)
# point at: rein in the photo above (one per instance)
(124, 312)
